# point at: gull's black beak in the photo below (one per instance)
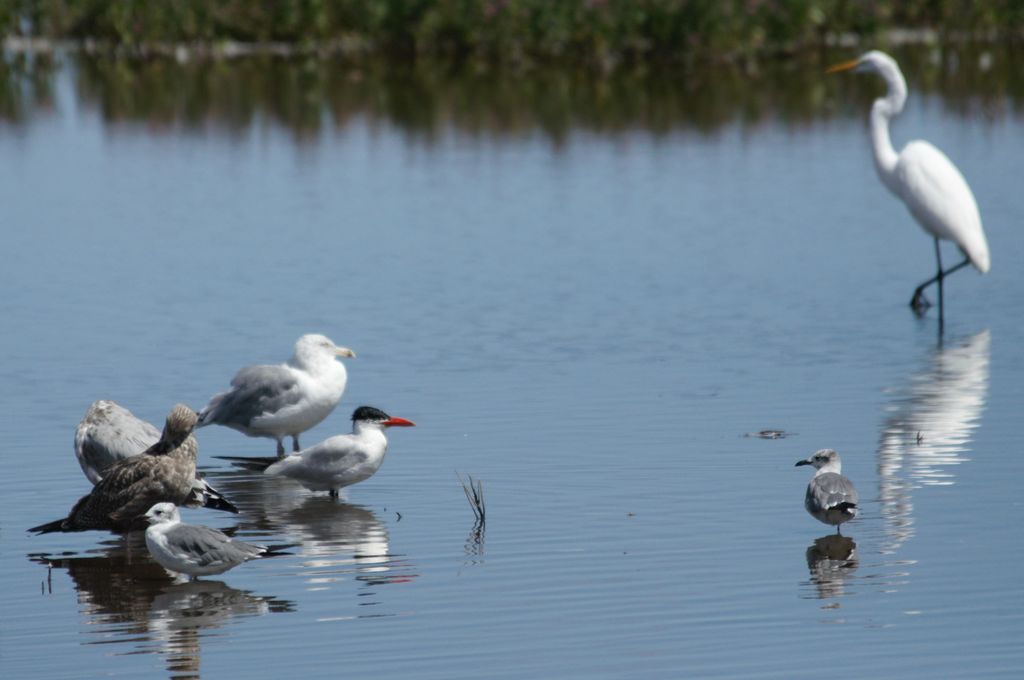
(802, 462)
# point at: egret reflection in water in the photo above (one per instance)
(125, 595)
(928, 429)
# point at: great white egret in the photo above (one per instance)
(920, 175)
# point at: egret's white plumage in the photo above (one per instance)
(283, 400)
(932, 188)
(831, 497)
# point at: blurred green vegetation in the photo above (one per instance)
(508, 31)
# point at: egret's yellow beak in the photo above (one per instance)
(845, 66)
(344, 352)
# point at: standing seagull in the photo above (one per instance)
(196, 550)
(110, 433)
(336, 462)
(830, 496)
(163, 472)
(284, 400)
(920, 175)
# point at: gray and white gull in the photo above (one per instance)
(831, 497)
(286, 399)
(338, 461)
(110, 433)
(195, 550)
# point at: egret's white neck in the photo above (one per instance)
(882, 111)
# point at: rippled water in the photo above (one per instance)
(592, 295)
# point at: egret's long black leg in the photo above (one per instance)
(963, 264)
(295, 443)
(941, 275)
(919, 303)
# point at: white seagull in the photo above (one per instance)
(921, 176)
(830, 496)
(110, 433)
(283, 400)
(196, 550)
(336, 462)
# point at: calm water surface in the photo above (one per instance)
(586, 293)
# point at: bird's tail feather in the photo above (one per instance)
(218, 502)
(278, 550)
(49, 527)
(255, 463)
(847, 507)
(215, 500)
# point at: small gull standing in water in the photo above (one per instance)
(338, 461)
(283, 400)
(110, 433)
(830, 496)
(196, 550)
(165, 471)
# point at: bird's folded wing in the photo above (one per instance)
(937, 194)
(208, 547)
(255, 391)
(831, 489)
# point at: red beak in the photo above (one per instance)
(394, 421)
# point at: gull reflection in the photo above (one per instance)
(126, 596)
(341, 542)
(928, 429)
(831, 560)
(338, 541)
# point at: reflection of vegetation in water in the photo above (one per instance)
(305, 94)
(26, 86)
(506, 30)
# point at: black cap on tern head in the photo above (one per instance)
(369, 413)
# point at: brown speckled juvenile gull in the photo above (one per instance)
(164, 472)
(110, 433)
(283, 400)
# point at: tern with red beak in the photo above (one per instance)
(285, 400)
(336, 462)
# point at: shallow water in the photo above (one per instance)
(586, 295)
